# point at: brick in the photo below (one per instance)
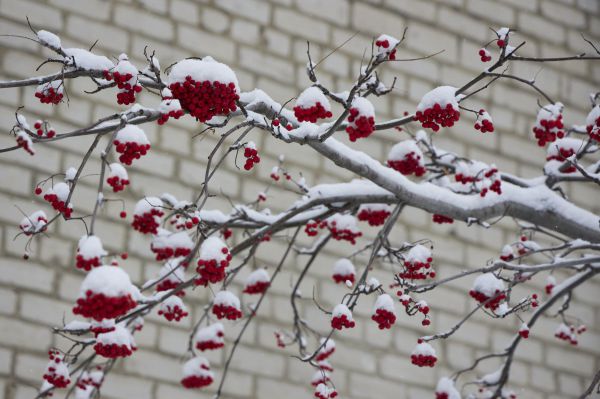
(258, 11)
(40, 15)
(215, 20)
(413, 8)
(108, 36)
(369, 19)
(335, 11)
(144, 22)
(564, 15)
(43, 310)
(273, 67)
(302, 26)
(245, 32)
(26, 274)
(491, 10)
(24, 335)
(540, 27)
(185, 11)
(203, 43)
(95, 9)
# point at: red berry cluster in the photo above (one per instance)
(384, 318)
(496, 187)
(493, 303)
(175, 113)
(386, 44)
(312, 227)
(569, 337)
(411, 164)
(99, 306)
(58, 205)
(86, 264)
(59, 380)
(226, 311)
(41, 129)
(170, 252)
(311, 114)
(146, 222)
(548, 130)
(128, 90)
(359, 126)
(117, 183)
(185, 222)
(562, 155)
(130, 151)
(25, 142)
(196, 381)
(48, 94)
(375, 217)
(211, 270)
(167, 285)
(417, 270)
(343, 234)
(203, 100)
(99, 328)
(251, 155)
(173, 313)
(258, 287)
(524, 332)
(436, 116)
(113, 351)
(594, 130)
(423, 360)
(485, 55)
(484, 125)
(342, 278)
(324, 353)
(441, 219)
(342, 321)
(211, 344)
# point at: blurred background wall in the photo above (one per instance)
(265, 43)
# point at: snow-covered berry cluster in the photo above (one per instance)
(560, 151)
(361, 121)
(322, 391)
(485, 55)
(417, 264)
(489, 290)
(51, 92)
(406, 157)
(507, 254)
(34, 223)
(386, 46)
(147, 214)
(125, 76)
(344, 272)
(524, 331)
(43, 129)
(169, 107)
(312, 227)
(171, 274)
(106, 293)
(89, 253)
(503, 36)
(478, 176)
(210, 338)
(550, 284)
(57, 372)
(131, 142)
(214, 258)
(24, 141)
(384, 313)
(484, 122)
(173, 308)
(117, 177)
(549, 124)
(226, 305)
(57, 196)
(102, 326)
(439, 107)
(343, 227)
(166, 244)
(312, 105)
(423, 355)
(445, 389)
(196, 373)
(326, 349)
(374, 214)
(115, 344)
(568, 333)
(205, 88)
(341, 317)
(251, 155)
(257, 282)
(592, 123)
(441, 219)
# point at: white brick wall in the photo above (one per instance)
(265, 42)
